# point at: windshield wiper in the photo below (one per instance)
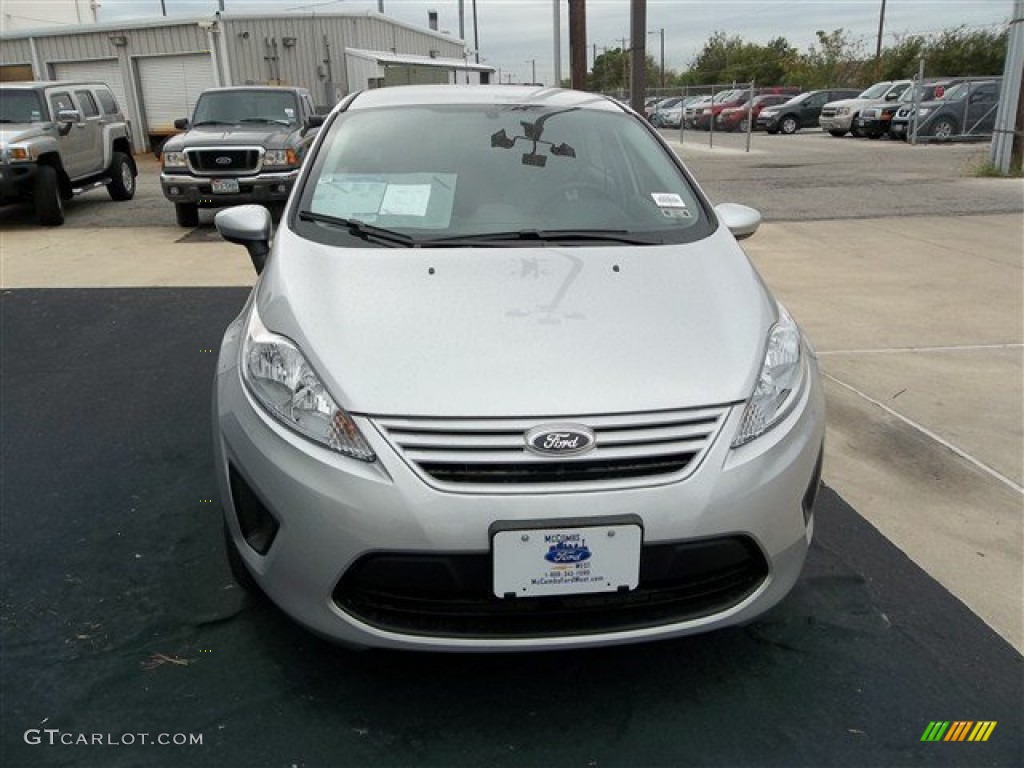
(541, 236)
(361, 229)
(264, 120)
(213, 122)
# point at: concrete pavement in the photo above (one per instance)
(919, 325)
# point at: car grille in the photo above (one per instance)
(450, 595)
(830, 112)
(630, 449)
(226, 161)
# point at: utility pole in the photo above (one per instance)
(578, 43)
(558, 43)
(533, 69)
(661, 32)
(638, 77)
(878, 46)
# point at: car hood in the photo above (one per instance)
(850, 102)
(541, 331)
(12, 132)
(260, 134)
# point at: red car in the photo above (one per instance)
(735, 118)
(739, 99)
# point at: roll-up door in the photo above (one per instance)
(170, 87)
(99, 71)
(10, 73)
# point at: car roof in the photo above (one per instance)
(511, 95)
(234, 88)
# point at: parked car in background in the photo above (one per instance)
(736, 118)
(966, 110)
(650, 104)
(243, 144)
(875, 120)
(639, 462)
(801, 111)
(837, 117)
(697, 105)
(59, 139)
(667, 113)
(738, 98)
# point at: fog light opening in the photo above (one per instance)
(811, 494)
(259, 527)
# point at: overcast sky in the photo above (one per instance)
(511, 32)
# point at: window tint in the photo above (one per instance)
(60, 101)
(88, 104)
(107, 101)
(817, 100)
(247, 106)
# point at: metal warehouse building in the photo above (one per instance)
(158, 68)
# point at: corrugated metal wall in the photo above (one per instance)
(306, 51)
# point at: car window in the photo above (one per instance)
(494, 169)
(107, 101)
(60, 101)
(246, 106)
(87, 103)
(816, 100)
(18, 106)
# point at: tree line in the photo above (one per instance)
(836, 59)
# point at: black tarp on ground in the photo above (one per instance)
(119, 616)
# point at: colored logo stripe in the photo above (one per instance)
(958, 730)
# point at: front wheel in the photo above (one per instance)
(944, 128)
(122, 178)
(744, 126)
(187, 214)
(788, 125)
(838, 133)
(47, 197)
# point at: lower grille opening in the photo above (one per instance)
(258, 525)
(450, 594)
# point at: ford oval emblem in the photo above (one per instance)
(223, 160)
(560, 439)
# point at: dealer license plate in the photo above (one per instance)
(566, 561)
(222, 186)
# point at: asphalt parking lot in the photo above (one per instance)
(120, 617)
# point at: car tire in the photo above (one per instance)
(47, 197)
(743, 126)
(239, 570)
(856, 132)
(772, 131)
(122, 177)
(874, 135)
(944, 128)
(187, 214)
(837, 133)
(788, 125)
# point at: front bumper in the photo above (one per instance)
(837, 123)
(16, 181)
(333, 515)
(876, 126)
(267, 187)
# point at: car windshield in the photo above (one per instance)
(726, 96)
(958, 92)
(494, 175)
(18, 106)
(246, 106)
(876, 91)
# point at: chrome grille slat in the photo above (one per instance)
(478, 453)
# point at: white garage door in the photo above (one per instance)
(170, 87)
(101, 71)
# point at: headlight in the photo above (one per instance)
(280, 157)
(279, 377)
(769, 112)
(17, 153)
(174, 159)
(778, 383)
(842, 111)
(705, 111)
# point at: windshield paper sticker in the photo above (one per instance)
(405, 200)
(667, 200)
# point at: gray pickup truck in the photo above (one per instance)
(243, 145)
(58, 139)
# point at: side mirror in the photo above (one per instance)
(248, 225)
(69, 116)
(315, 121)
(181, 123)
(741, 220)
(891, 96)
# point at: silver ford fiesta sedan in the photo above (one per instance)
(506, 381)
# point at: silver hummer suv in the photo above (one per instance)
(58, 139)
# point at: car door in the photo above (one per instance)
(810, 109)
(981, 113)
(71, 137)
(91, 129)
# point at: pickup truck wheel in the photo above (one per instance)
(788, 125)
(838, 133)
(187, 214)
(46, 195)
(122, 178)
